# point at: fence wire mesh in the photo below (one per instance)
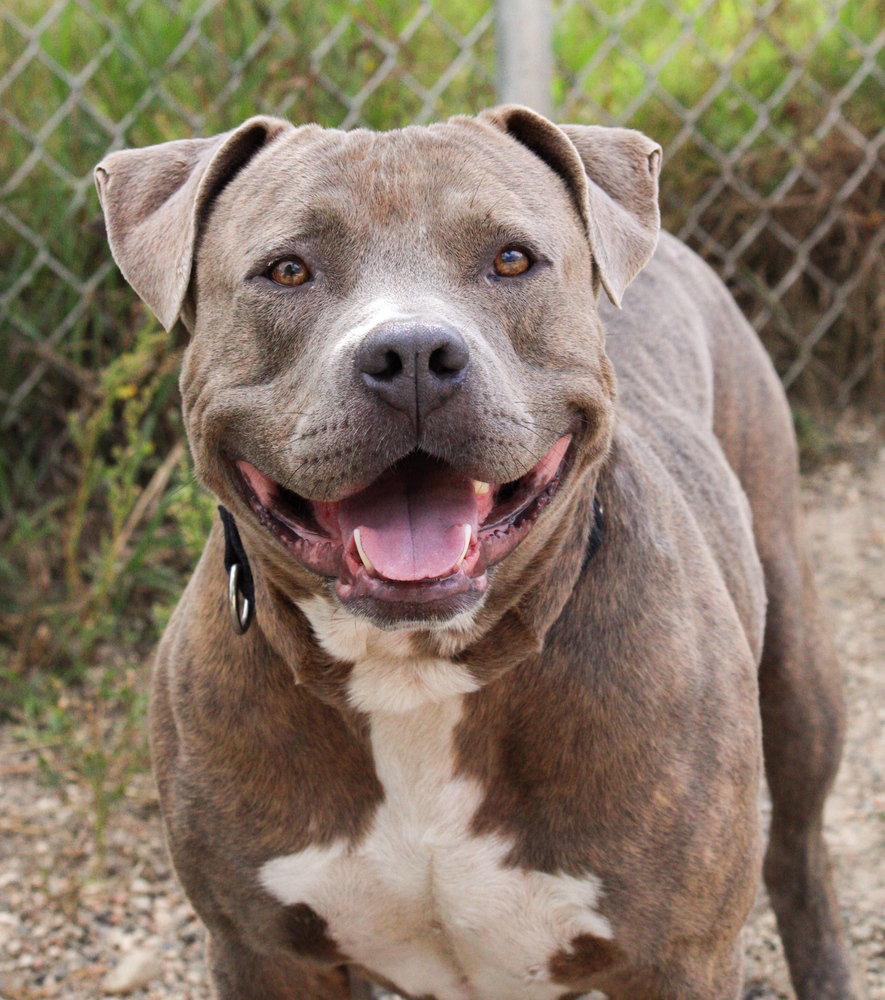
(772, 115)
(772, 118)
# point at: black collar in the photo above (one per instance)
(594, 542)
(241, 584)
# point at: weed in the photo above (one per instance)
(817, 443)
(91, 733)
(108, 559)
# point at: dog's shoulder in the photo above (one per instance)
(678, 544)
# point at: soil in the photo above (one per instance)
(68, 918)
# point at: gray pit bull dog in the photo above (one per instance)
(460, 752)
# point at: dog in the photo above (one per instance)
(519, 583)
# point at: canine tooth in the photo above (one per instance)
(481, 488)
(468, 534)
(359, 547)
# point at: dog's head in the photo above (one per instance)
(397, 375)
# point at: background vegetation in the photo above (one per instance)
(100, 519)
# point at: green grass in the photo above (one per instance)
(107, 558)
(100, 519)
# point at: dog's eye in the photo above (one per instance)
(511, 261)
(290, 271)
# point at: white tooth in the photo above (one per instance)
(359, 547)
(481, 488)
(468, 534)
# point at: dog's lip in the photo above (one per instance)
(312, 534)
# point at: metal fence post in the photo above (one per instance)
(524, 30)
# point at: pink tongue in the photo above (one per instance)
(412, 520)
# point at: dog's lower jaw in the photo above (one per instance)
(427, 605)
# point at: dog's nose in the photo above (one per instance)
(413, 367)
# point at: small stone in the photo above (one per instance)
(134, 970)
(12, 985)
(58, 885)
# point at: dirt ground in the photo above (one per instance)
(71, 928)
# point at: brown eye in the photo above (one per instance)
(291, 271)
(511, 262)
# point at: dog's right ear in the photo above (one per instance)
(155, 198)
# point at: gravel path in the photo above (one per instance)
(845, 509)
(74, 928)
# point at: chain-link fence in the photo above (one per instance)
(772, 116)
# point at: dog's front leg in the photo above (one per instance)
(238, 973)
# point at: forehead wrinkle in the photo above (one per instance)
(492, 229)
(307, 229)
(441, 175)
(401, 172)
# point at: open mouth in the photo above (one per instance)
(420, 539)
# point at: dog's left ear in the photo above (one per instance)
(613, 176)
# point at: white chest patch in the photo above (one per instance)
(423, 902)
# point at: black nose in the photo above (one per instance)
(413, 367)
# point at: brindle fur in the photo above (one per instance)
(617, 729)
